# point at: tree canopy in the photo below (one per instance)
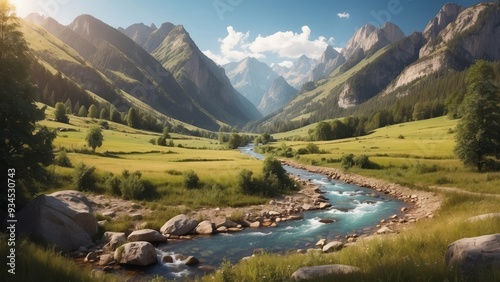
(94, 138)
(478, 132)
(24, 148)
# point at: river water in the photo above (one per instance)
(354, 209)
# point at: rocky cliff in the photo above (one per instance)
(278, 95)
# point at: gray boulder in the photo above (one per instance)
(64, 219)
(113, 240)
(333, 247)
(179, 225)
(148, 235)
(311, 272)
(474, 257)
(136, 253)
(205, 227)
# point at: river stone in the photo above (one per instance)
(333, 246)
(106, 259)
(321, 243)
(385, 230)
(113, 240)
(64, 219)
(312, 272)
(223, 221)
(191, 261)
(136, 253)
(205, 228)
(148, 235)
(255, 224)
(179, 225)
(474, 257)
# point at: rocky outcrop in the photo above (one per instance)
(474, 258)
(136, 253)
(299, 73)
(278, 95)
(446, 15)
(179, 225)
(147, 235)
(311, 272)
(327, 63)
(64, 219)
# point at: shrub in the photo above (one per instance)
(84, 178)
(132, 187)
(191, 180)
(302, 151)
(401, 136)
(362, 161)
(246, 182)
(347, 161)
(312, 148)
(62, 159)
(112, 184)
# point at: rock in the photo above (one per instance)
(101, 223)
(326, 220)
(167, 259)
(385, 230)
(272, 202)
(222, 229)
(136, 253)
(191, 261)
(116, 241)
(108, 269)
(306, 207)
(109, 214)
(205, 228)
(404, 209)
(108, 235)
(255, 224)
(83, 249)
(321, 243)
(484, 216)
(147, 235)
(311, 272)
(223, 221)
(274, 213)
(474, 257)
(64, 219)
(106, 259)
(136, 216)
(179, 225)
(333, 246)
(91, 257)
(324, 205)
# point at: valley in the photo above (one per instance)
(136, 154)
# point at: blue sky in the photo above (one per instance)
(274, 31)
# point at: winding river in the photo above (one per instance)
(355, 210)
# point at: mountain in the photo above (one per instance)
(278, 95)
(383, 67)
(299, 73)
(203, 81)
(327, 63)
(251, 78)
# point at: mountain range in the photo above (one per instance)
(162, 71)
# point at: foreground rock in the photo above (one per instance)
(311, 272)
(113, 240)
(205, 227)
(333, 247)
(148, 235)
(136, 253)
(64, 219)
(179, 225)
(474, 257)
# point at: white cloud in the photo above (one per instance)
(285, 44)
(338, 49)
(343, 15)
(287, 64)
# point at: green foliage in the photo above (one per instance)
(133, 118)
(112, 184)
(82, 112)
(24, 147)
(347, 161)
(191, 180)
(84, 178)
(478, 132)
(131, 187)
(60, 113)
(93, 112)
(246, 182)
(104, 114)
(312, 148)
(235, 140)
(94, 138)
(62, 159)
(362, 161)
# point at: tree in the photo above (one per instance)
(24, 149)
(235, 140)
(322, 132)
(104, 114)
(94, 138)
(60, 113)
(133, 118)
(191, 179)
(93, 112)
(82, 112)
(478, 132)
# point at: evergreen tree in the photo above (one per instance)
(82, 112)
(69, 106)
(133, 118)
(94, 138)
(25, 150)
(478, 132)
(104, 114)
(93, 112)
(60, 113)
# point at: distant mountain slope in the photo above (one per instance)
(202, 80)
(327, 63)
(299, 73)
(278, 95)
(251, 78)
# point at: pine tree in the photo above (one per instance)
(94, 138)
(82, 112)
(24, 149)
(93, 112)
(60, 113)
(478, 132)
(133, 118)
(104, 114)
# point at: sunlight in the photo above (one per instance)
(22, 7)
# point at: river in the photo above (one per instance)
(354, 209)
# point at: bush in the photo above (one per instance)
(132, 187)
(312, 148)
(401, 136)
(347, 161)
(362, 161)
(191, 180)
(246, 182)
(302, 151)
(112, 184)
(62, 159)
(84, 178)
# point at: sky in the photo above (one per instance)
(273, 31)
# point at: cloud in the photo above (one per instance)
(338, 49)
(343, 15)
(285, 44)
(287, 64)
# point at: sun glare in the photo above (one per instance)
(22, 6)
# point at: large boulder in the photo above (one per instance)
(136, 253)
(205, 227)
(312, 272)
(179, 225)
(333, 247)
(148, 235)
(64, 219)
(113, 240)
(474, 257)
(223, 221)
